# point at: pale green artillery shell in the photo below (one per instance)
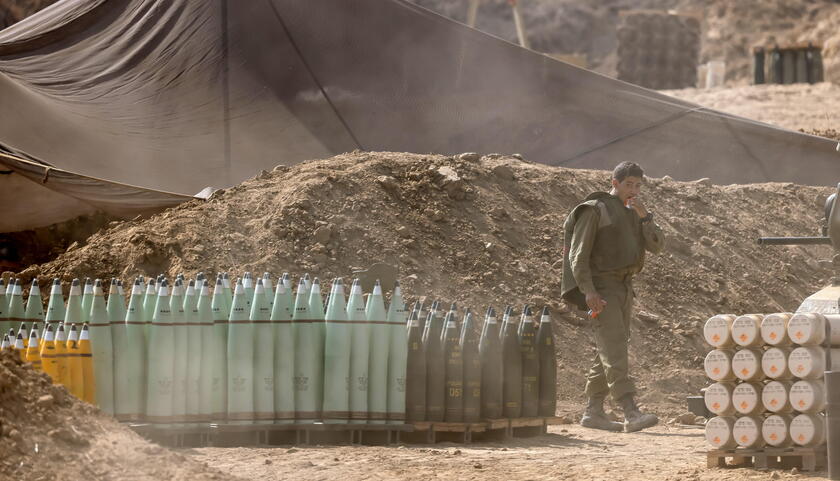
(240, 358)
(179, 373)
(220, 314)
(380, 344)
(397, 359)
(134, 397)
(34, 306)
(284, 356)
(102, 350)
(209, 383)
(194, 350)
(15, 311)
(119, 343)
(4, 313)
(337, 360)
(316, 316)
(263, 358)
(161, 365)
(306, 358)
(359, 358)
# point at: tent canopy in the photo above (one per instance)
(175, 96)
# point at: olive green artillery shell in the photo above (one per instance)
(454, 371)
(512, 373)
(472, 371)
(530, 368)
(490, 353)
(415, 391)
(435, 370)
(548, 368)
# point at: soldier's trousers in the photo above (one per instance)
(609, 373)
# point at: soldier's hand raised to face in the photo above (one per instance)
(595, 303)
(636, 204)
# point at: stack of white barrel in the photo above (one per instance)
(767, 373)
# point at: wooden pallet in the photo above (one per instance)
(249, 434)
(435, 431)
(805, 459)
(234, 434)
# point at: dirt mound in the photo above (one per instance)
(45, 433)
(486, 231)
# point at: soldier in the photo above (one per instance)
(604, 247)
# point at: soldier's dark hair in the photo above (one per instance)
(627, 169)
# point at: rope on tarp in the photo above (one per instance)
(314, 78)
(670, 118)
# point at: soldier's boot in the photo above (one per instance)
(596, 418)
(635, 420)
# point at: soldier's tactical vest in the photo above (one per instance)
(619, 243)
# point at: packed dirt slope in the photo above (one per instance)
(47, 434)
(811, 108)
(730, 29)
(487, 230)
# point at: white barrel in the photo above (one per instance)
(775, 397)
(808, 429)
(776, 430)
(746, 365)
(746, 330)
(807, 328)
(774, 329)
(718, 365)
(808, 395)
(746, 397)
(719, 432)
(834, 322)
(808, 362)
(718, 330)
(718, 398)
(774, 363)
(747, 432)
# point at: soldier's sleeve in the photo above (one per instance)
(583, 238)
(654, 240)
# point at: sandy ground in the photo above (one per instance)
(797, 106)
(566, 452)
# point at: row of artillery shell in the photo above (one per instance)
(756, 364)
(751, 398)
(755, 431)
(455, 375)
(779, 329)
